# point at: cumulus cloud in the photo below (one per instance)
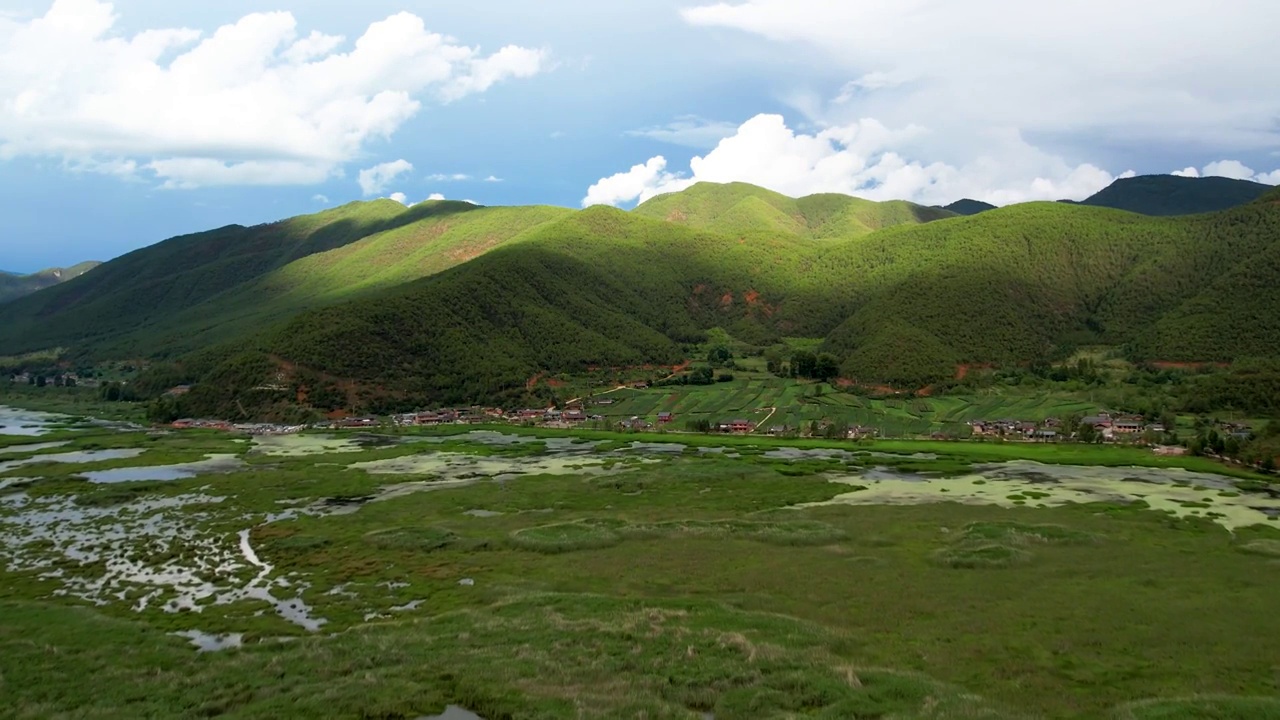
(320, 198)
(640, 182)
(373, 180)
(435, 196)
(1041, 67)
(858, 159)
(1028, 72)
(689, 131)
(493, 179)
(399, 197)
(1233, 169)
(254, 102)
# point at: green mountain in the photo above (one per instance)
(14, 285)
(902, 306)
(969, 207)
(1165, 195)
(451, 303)
(742, 209)
(197, 290)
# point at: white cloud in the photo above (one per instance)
(640, 182)
(435, 196)
(493, 179)
(373, 180)
(320, 198)
(253, 102)
(858, 159)
(443, 177)
(1057, 75)
(1075, 68)
(1233, 169)
(399, 197)
(689, 131)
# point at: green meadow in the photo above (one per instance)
(537, 574)
(785, 402)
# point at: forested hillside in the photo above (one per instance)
(15, 285)
(969, 207)
(450, 302)
(741, 209)
(1164, 195)
(190, 292)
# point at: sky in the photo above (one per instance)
(124, 123)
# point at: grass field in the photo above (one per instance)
(548, 575)
(799, 403)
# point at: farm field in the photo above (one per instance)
(532, 574)
(799, 403)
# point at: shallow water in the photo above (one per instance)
(453, 712)
(13, 450)
(450, 466)
(206, 642)
(79, 457)
(302, 445)
(1029, 484)
(26, 422)
(212, 464)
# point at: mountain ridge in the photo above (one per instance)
(16, 285)
(452, 302)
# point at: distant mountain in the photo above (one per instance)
(968, 207)
(14, 285)
(1165, 195)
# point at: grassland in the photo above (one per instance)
(628, 583)
(783, 402)
(663, 587)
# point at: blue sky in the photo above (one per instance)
(122, 124)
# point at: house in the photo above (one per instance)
(665, 417)
(1045, 435)
(530, 415)
(779, 430)
(642, 385)
(740, 426)
(1127, 426)
(359, 422)
(635, 423)
(1100, 421)
(574, 416)
(605, 401)
(858, 432)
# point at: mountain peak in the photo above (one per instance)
(1175, 195)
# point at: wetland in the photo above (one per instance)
(543, 576)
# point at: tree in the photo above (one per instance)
(1088, 434)
(804, 363)
(719, 355)
(41, 381)
(826, 367)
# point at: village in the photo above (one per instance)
(1103, 427)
